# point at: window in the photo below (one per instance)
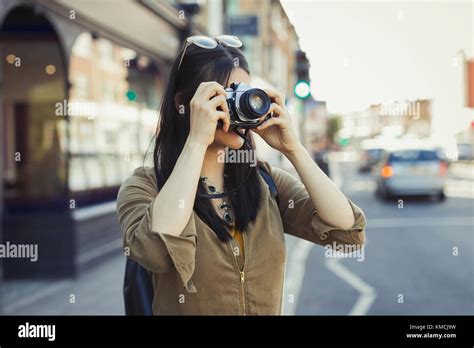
(81, 86)
(108, 91)
(82, 46)
(413, 155)
(106, 53)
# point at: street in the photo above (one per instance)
(410, 264)
(418, 259)
(97, 291)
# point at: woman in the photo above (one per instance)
(224, 255)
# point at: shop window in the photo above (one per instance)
(106, 148)
(81, 86)
(82, 46)
(32, 139)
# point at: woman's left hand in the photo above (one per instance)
(278, 131)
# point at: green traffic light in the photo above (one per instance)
(344, 141)
(131, 95)
(302, 89)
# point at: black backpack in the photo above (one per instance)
(138, 286)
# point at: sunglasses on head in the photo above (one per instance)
(210, 43)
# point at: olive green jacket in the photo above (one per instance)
(196, 273)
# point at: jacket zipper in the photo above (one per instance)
(242, 283)
(241, 272)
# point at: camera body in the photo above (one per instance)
(247, 105)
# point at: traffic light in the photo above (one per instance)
(131, 95)
(302, 66)
(344, 141)
(302, 87)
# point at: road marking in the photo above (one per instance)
(361, 185)
(420, 221)
(335, 173)
(35, 297)
(300, 252)
(114, 246)
(367, 292)
(93, 211)
(297, 269)
(295, 274)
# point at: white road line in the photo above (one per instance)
(110, 247)
(335, 173)
(300, 252)
(36, 296)
(297, 268)
(295, 275)
(367, 293)
(93, 211)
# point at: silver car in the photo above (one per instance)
(411, 171)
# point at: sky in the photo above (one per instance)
(367, 52)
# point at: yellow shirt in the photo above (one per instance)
(237, 235)
(239, 254)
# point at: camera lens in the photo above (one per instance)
(254, 103)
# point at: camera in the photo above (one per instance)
(247, 105)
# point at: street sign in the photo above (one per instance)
(242, 25)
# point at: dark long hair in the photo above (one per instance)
(201, 65)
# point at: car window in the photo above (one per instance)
(375, 153)
(413, 155)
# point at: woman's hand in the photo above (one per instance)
(205, 114)
(278, 131)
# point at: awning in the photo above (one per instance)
(151, 25)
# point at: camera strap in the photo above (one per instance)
(226, 194)
(244, 136)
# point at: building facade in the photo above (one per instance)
(270, 45)
(81, 84)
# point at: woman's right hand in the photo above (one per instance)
(205, 114)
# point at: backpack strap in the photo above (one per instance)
(137, 289)
(269, 180)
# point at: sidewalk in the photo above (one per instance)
(97, 291)
(462, 170)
